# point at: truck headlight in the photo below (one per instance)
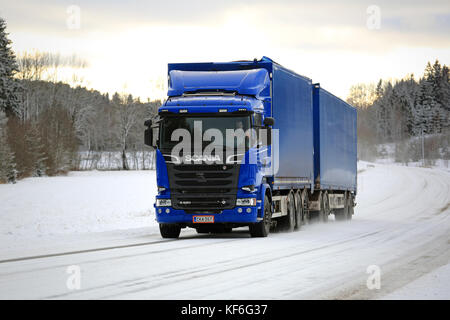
(249, 188)
(163, 202)
(246, 202)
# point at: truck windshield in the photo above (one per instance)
(196, 123)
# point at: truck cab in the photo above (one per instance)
(213, 186)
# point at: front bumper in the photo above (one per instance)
(226, 216)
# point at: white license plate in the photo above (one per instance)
(203, 219)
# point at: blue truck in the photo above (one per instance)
(300, 165)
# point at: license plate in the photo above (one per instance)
(203, 219)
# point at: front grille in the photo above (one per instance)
(203, 187)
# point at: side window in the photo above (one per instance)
(257, 124)
(257, 120)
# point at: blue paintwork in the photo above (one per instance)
(292, 110)
(261, 196)
(162, 177)
(335, 141)
(228, 215)
(211, 104)
(253, 82)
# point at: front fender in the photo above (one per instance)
(261, 196)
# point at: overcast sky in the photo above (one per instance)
(337, 43)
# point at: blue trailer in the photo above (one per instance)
(296, 160)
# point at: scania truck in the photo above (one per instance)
(295, 164)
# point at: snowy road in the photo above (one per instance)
(401, 225)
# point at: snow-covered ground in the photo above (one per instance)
(90, 201)
(105, 221)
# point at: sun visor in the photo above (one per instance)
(254, 82)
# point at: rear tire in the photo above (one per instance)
(298, 210)
(350, 207)
(289, 220)
(324, 208)
(341, 214)
(262, 228)
(171, 231)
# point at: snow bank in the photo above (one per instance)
(78, 203)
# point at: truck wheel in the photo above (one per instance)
(341, 214)
(324, 208)
(298, 210)
(290, 218)
(350, 210)
(262, 228)
(169, 230)
(306, 212)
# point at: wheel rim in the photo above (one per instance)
(325, 208)
(291, 209)
(350, 208)
(299, 211)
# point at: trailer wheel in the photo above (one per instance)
(298, 210)
(324, 208)
(350, 210)
(306, 212)
(169, 230)
(262, 228)
(341, 214)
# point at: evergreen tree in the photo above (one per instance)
(8, 172)
(427, 107)
(9, 87)
(36, 153)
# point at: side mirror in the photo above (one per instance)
(269, 121)
(148, 137)
(148, 133)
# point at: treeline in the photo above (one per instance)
(406, 114)
(48, 127)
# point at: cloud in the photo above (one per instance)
(131, 42)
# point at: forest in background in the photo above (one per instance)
(48, 127)
(412, 116)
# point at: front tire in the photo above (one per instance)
(262, 228)
(171, 231)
